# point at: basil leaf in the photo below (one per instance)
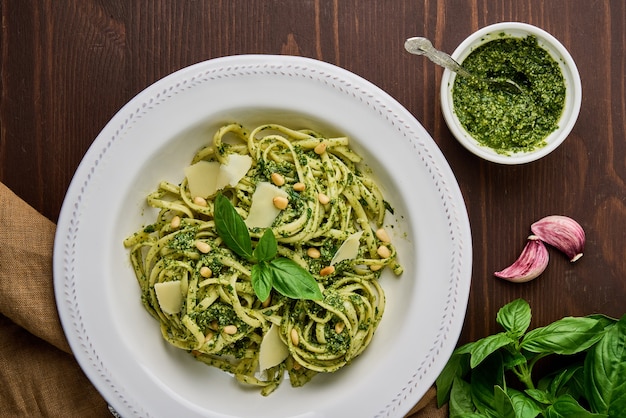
(293, 281)
(524, 406)
(575, 384)
(262, 280)
(460, 399)
(456, 367)
(605, 372)
(488, 345)
(484, 377)
(231, 227)
(566, 381)
(567, 407)
(267, 247)
(568, 335)
(511, 359)
(605, 319)
(502, 403)
(540, 396)
(465, 348)
(515, 317)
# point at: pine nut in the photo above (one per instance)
(384, 251)
(382, 235)
(200, 201)
(203, 247)
(277, 179)
(299, 187)
(296, 365)
(376, 267)
(328, 270)
(295, 338)
(323, 198)
(267, 302)
(206, 272)
(339, 326)
(280, 202)
(175, 222)
(230, 329)
(208, 336)
(214, 325)
(313, 252)
(320, 148)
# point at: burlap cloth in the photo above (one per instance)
(38, 374)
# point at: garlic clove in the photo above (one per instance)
(531, 263)
(561, 232)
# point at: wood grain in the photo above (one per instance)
(68, 66)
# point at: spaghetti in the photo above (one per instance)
(219, 319)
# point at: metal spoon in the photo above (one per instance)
(422, 46)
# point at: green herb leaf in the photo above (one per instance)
(457, 366)
(540, 396)
(605, 372)
(231, 227)
(524, 406)
(567, 407)
(515, 317)
(262, 280)
(512, 358)
(565, 336)
(502, 403)
(591, 384)
(267, 247)
(460, 398)
(488, 345)
(284, 275)
(565, 381)
(605, 319)
(483, 378)
(293, 281)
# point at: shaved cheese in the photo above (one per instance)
(205, 178)
(202, 178)
(273, 350)
(170, 296)
(349, 249)
(262, 210)
(235, 168)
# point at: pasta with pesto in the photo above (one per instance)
(327, 216)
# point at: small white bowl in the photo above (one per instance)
(573, 95)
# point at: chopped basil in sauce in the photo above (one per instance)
(504, 121)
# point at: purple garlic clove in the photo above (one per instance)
(561, 232)
(531, 263)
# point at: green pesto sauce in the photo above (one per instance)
(504, 121)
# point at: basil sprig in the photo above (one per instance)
(268, 270)
(493, 376)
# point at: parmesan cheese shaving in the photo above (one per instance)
(205, 178)
(169, 296)
(235, 168)
(202, 178)
(262, 210)
(273, 350)
(348, 250)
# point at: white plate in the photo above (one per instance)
(154, 136)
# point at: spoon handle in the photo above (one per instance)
(422, 46)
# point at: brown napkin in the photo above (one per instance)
(38, 372)
(39, 375)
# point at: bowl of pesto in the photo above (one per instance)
(512, 127)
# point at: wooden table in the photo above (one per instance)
(68, 66)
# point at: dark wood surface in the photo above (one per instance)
(68, 66)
